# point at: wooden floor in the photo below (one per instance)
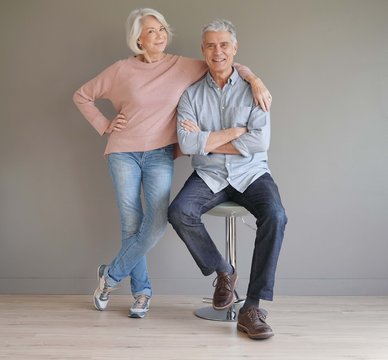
(306, 328)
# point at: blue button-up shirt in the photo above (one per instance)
(214, 109)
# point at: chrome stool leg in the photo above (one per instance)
(230, 246)
(229, 314)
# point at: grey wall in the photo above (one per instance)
(326, 64)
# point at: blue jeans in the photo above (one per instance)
(140, 228)
(261, 198)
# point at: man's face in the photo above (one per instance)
(218, 51)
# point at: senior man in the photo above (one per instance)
(228, 137)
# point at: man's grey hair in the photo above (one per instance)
(221, 25)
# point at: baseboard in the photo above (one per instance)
(195, 286)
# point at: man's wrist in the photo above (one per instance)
(234, 133)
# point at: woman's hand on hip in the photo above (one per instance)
(117, 124)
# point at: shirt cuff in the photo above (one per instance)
(203, 136)
(241, 147)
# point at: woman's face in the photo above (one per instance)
(153, 37)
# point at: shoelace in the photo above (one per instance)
(141, 302)
(106, 289)
(105, 292)
(254, 314)
(223, 281)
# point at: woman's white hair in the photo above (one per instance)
(221, 25)
(134, 27)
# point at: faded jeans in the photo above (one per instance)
(142, 223)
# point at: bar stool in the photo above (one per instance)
(230, 210)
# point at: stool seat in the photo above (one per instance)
(229, 210)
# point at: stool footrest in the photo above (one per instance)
(209, 313)
(230, 314)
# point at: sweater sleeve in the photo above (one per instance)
(194, 69)
(96, 88)
(243, 70)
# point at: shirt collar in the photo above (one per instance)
(232, 78)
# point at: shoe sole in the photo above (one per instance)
(136, 315)
(226, 306)
(96, 305)
(263, 336)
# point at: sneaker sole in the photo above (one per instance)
(95, 303)
(98, 273)
(137, 315)
(135, 312)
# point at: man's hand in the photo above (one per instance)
(217, 139)
(190, 126)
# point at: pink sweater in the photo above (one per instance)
(147, 93)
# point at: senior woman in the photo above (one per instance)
(144, 90)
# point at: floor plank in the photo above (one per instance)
(67, 327)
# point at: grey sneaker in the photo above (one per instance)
(140, 306)
(101, 294)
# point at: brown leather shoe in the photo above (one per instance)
(224, 293)
(252, 322)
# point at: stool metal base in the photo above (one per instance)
(230, 211)
(229, 314)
